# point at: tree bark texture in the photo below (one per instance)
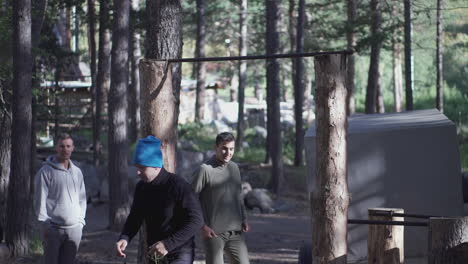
(385, 243)
(373, 81)
(408, 55)
(397, 59)
(299, 87)
(5, 151)
(92, 55)
(201, 69)
(351, 42)
(159, 112)
(330, 201)
(380, 105)
(273, 97)
(103, 75)
(164, 36)
(448, 240)
(118, 146)
(243, 42)
(439, 63)
(292, 30)
(397, 78)
(159, 115)
(18, 204)
(160, 99)
(134, 88)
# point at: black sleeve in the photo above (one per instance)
(192, 217)
(135, 218)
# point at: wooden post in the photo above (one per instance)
(330, 199)
(385, 242)
(448, 240)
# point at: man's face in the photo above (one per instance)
(225, 151)
(64, 149)
(147, 174)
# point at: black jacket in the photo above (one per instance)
(170, 209)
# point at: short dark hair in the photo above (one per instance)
(61, 137)
(225, 137)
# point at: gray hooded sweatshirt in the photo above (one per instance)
(60, 196)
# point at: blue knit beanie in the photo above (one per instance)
(148, 152)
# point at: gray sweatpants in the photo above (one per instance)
(61, 244)
(231, 242)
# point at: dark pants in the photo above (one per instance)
(61, 245)
(183, 257)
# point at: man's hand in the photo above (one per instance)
(158, 248)
(120, 246)
(245, 226)
(207, 232)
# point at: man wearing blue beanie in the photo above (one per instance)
(167, 204)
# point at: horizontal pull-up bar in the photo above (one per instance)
(260, 57)
(381, 222)
(390, 213)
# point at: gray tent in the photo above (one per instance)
(406, 160)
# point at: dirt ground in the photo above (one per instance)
(274, 238)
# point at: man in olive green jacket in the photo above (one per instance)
(218, 184)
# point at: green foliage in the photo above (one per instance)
(203, 136)
(35, 243)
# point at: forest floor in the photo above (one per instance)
(274, 238)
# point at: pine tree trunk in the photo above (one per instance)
(5, 151)
(159, 113)
(274, 96)
(103, 76)
(299, 85)
(118, 146)
(448, 240)
(160, 84)
(164, 36)
(18, 204)
(201, 69)
(439, 52)
(92, 55)
(242, 72)
(380, 98)
(330, 201)
(292, 30)
(373, 81)
(351, 42)
(397, 78)
(408, 55)
(397, 61)
(134, 88)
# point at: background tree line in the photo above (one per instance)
(47, 39)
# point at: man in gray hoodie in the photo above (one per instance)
(60, 204)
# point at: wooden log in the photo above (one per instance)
(448, 240)
(385, 244)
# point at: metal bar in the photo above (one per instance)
(259, 57)
(377, 222)
(390, 213)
